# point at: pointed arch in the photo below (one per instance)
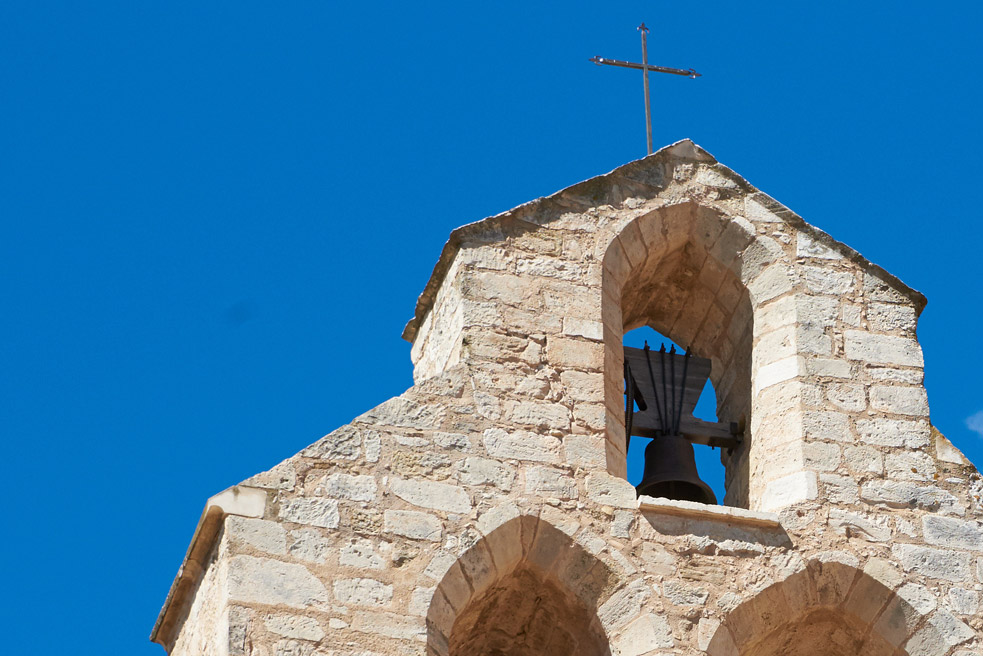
(524, 586)
(825, 609)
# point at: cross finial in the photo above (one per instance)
(645, 68)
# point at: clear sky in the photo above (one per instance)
(217, 218)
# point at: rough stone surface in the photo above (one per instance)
(267, 581)
(316, 512)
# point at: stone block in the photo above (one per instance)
(789, 490)
(821, 280)
(894, 432)
(889, 317)
(876, 289)
(910, 466)
(582, 386)
(267, 581)
(897, 621)
(863, 459)
(545, 415)
(432, 495)
(482, 471)
(648, 632)
(405, 412)
(829, 368)
(921, 598)
(550, 482)
(866, 599)
(946, 452)
(953, 533)
(809, 246)
(260, 534)
(873, 528)
(584, 451)
(342, 444)
(892, 375)
(964, 602)
(281, 477)
(900, 400)
(297, 627)
(360, 553)
(564, 352)
(882, 349)
(684, 595)
(824, 425)
(821, 456)
(307, 544)
(521, 445)
(452, 441)
(950, 629)
(624, 605)
(778, 372)
(775, 315)
(608, 490)
(551, 268)
(840, 489)
(413, 524)
(347, 487)
(776, 345)
(770, 283)
(898, 494)
(315, 512)
(391, 625)
(934, 563)
(847, 397)
(583, 328)
(812, 338)
(851, 314)
(362, 592)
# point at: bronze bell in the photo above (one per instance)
(670, 472)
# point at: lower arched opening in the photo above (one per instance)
(526, 614)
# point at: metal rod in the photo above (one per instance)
(685, 72)
(672, 385)
(645, 76)
(655, 389)
(665, 391)
(679, 409)
(629, 405)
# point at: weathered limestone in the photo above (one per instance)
(486, 509)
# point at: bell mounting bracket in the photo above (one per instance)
(665, 385)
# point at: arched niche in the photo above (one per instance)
(684, 270)
(525, 589)
(825, 609)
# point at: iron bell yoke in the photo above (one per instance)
(666, 387)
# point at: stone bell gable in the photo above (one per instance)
(485, 511)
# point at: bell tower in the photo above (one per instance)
(486, 510)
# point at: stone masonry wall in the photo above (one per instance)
(424, 526)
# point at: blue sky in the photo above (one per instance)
(217, 218)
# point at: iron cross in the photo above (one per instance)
(645, 68)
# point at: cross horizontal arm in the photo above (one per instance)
(657, 69)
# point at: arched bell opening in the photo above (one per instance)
(706, 460)
(524, 589)
(678, 271)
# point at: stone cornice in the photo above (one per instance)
(237, 500)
